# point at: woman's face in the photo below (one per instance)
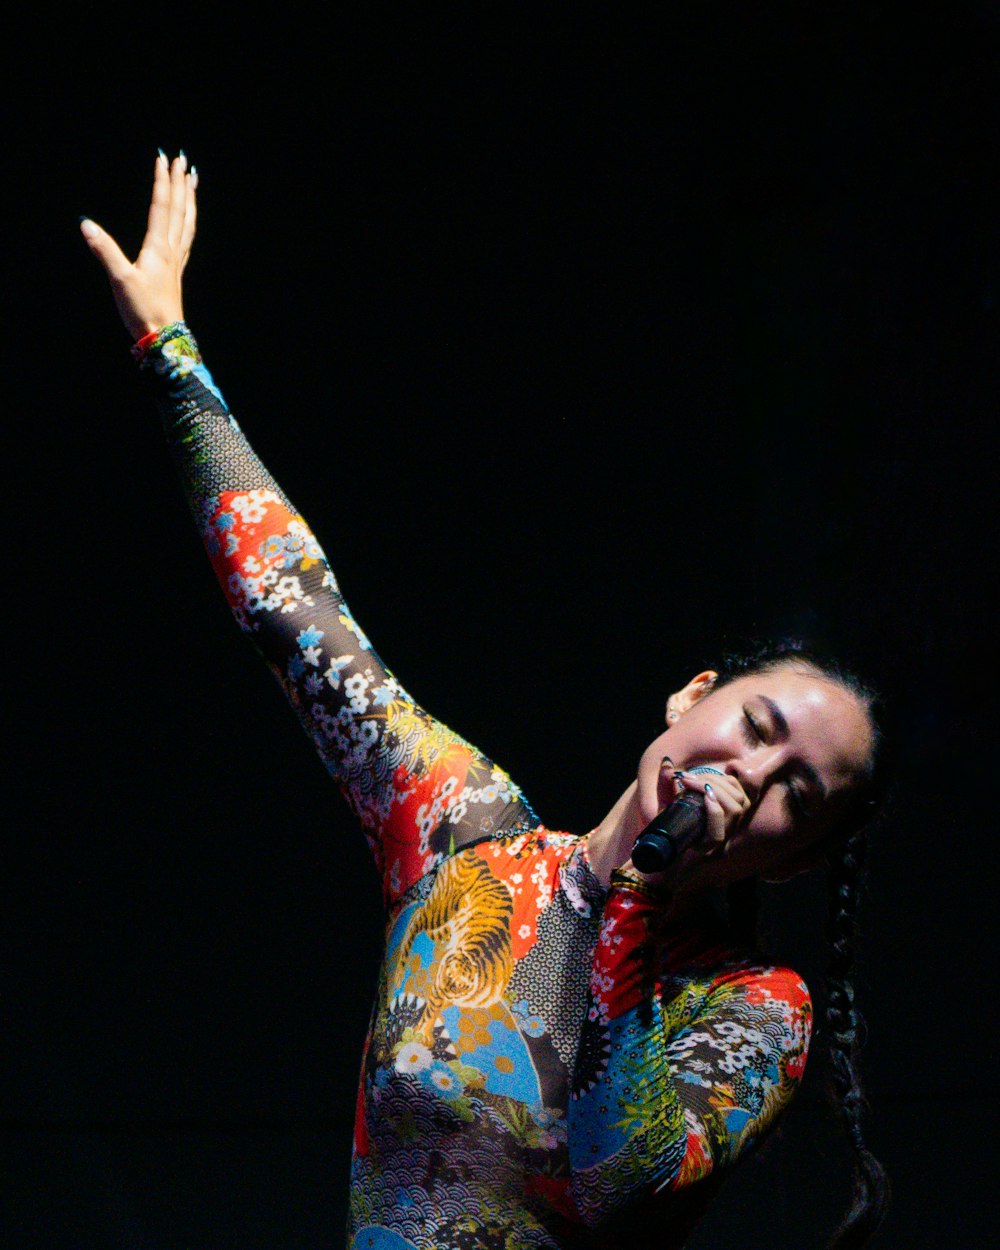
(794, 740)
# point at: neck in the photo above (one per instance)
(610, 844)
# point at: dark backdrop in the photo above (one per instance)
(589, 350)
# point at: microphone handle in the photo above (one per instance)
(671, 831)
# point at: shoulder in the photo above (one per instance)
(761, 983)
(737, 994)
(764, 1011)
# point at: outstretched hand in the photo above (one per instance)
(148, 291)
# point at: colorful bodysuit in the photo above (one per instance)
(545, 1055)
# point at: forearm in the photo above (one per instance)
(417, 787)
(208, 447)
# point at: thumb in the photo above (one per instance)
(116, 264)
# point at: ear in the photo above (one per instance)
(683, 700)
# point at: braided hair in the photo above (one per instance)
(871, 1188)
(846, 856)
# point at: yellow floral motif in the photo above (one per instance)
(429, 739)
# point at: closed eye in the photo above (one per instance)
(753, 731)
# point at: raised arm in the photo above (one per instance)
(418, 789)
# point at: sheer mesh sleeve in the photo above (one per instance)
(418, 789)
(686, 1059)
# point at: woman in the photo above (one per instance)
(559, 1042)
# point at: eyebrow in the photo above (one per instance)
(805, 768)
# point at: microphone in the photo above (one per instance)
(673, 830)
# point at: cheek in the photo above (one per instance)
(771, 826)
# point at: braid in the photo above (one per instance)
(871, 1186)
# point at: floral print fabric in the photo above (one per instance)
(544, 1053)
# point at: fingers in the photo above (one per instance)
(148, 293)
(726, 802)
(159, 207)
(715, 817)
(178, 201)
(116, 264)
(168, 229)
(190, 216)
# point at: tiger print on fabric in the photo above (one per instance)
(467, 918)
(547, 1062)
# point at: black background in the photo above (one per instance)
(590, 349)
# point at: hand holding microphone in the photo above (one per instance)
(680, 825)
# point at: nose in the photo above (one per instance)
(756, 770)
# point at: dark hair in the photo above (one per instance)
(846, 848)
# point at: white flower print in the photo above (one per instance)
(337, 666)
(251, 506)
(443, 1079)
(311, 655)
(289, 587)
(413, 1057)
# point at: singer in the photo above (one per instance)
(564, 1051)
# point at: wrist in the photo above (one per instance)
(169, 350)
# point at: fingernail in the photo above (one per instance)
(709, 792)
(87, 228)
(666, 760)
(162, 157)
(183, 159)
(194, 175)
